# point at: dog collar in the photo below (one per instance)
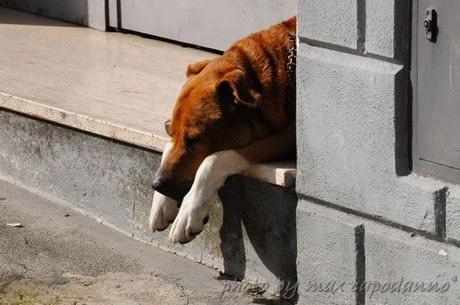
(291, 73)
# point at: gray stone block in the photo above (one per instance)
(327, 255)
(347, 138)
(331, 21)
(453, 212)
(388, 28)
(399, 264)
(380, 27)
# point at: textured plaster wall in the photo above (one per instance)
(364, 217)
(342, 249)
(332, 21)
(346, 138)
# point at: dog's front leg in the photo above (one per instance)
(164, 209)
(211, 175)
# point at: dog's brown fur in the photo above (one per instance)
(231, 102)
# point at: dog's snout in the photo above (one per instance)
(162, 185)
(168, 187)
(158, 183)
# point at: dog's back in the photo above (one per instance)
(265, 57)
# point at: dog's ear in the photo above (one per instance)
(194, 69)
(240, 89)
(168, 127)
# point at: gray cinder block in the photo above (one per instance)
(402, 268)
(347, 138)
(388, 28)
(332, 21)
(453, 212)
(327, 245)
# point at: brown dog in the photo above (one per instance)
(233, 111)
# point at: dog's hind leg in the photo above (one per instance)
(213, 172)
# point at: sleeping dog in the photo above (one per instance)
(233, 111)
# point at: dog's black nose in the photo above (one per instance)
(162, 185)
(157, 183)
(168, 188)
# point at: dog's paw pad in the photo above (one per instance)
(163, 213)
(188, 224)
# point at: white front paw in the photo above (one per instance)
(190, 221)
(163, 212)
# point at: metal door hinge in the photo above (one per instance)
(431, 24)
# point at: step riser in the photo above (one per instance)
(112, 180)
(90, 172)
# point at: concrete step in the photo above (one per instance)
(81, 120)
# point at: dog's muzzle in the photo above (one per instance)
(169, 188)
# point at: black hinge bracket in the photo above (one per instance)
(431, 24)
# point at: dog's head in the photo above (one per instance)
(212, 113)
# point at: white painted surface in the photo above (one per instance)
(209, 23)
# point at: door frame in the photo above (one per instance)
(420, 166)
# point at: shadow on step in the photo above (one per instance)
(76, 12)
(268, 213)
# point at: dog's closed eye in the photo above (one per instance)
(168, 127)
